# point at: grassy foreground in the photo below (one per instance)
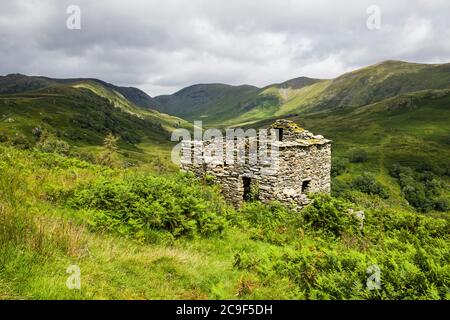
(141, 235)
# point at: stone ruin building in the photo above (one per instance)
(303, 167)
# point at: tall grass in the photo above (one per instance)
(23, 224)
(263, 251)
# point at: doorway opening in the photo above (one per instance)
(247, 188)
(251, 190)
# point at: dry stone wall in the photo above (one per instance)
(302, 166)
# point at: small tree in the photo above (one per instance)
(110, 142)
(109, 156)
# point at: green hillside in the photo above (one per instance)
(77, 114)
(207, 102)
(226, 105)
(410, 131)
(16, 83)
(139, 229)
(120, 101)
(393, 113)
(358, 88)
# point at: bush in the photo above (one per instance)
(338, 166)
(330, 215)
(84, 156)
(358, 156)
(20, 141)
(415, 194)
(272, 222)
(421, 189)
(409, 250)
(51, 144)
(396, 170)
(413, 224)
(268, 215)
(339, 188)
(141, 204)
(442, 204)
(3, 136)
(368, 184)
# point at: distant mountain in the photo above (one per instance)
(381, 81)
(227, 105)
(216, 102)
(296, 83)
(81, 111)
(397, 111)
(16, 83)
(205, 101)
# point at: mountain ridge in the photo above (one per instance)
(81, 111)
(359, 87)
(135, 95)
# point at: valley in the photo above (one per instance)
(86, 179)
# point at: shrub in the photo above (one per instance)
(358, 155)
(51, 144)
(141, 204)
(396, 170)
(20, 141)
(268, 215)
(253, 194)
(410, 251)
(415, 194)
(330, 215)
(442, 204)
(339, 188)
(209, 179)
(421, 189)
(392, 221)
(338, 166)
(3, 136)
(84, 156)
(368, 184)
(53, 161)
(272, 222)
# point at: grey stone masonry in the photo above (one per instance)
(300, 166)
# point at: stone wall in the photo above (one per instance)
(304, 170)
(303, 166)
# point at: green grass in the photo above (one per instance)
(265, 252)
(45, 238)
(261, 251)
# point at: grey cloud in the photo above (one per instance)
(161, 46)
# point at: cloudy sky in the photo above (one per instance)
(162, 46)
